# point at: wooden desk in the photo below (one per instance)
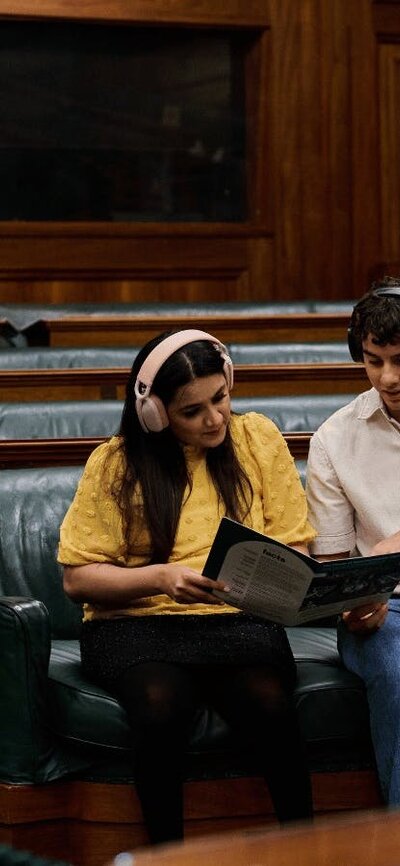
(366, 839)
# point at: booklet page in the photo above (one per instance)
(265, 579)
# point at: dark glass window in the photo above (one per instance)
(121, 123)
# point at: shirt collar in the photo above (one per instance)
(373, 403)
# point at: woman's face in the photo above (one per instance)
(200, 411)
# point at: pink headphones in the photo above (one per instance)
(150, 409)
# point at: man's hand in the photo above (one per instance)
(367, 618)
(391, 544)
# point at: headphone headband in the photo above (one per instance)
(388, 292)
(150, 409)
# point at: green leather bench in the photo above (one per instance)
(65, 743)
(289, 353)
(92, 418)
(23, 316)
(116, 324)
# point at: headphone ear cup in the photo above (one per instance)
(152, 414)
(354, 348)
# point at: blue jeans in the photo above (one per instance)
(376, 659)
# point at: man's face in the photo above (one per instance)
(382, 365)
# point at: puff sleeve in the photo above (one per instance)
(275, 480)
(92, 527)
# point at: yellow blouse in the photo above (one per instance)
(92, 528)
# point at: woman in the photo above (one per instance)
(133, 545)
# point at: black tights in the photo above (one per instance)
(161, 701)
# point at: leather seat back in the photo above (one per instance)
(32, 505)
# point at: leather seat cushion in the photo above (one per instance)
(331, 701)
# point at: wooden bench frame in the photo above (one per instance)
(250, 379)
(248, 327)
(22, 453)
(87, 823)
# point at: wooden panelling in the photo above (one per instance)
(139, 261)
(61, 264)
(323, 89)
(109, 383)
(323, 167)
(244, 13)
(389, 80)
(159, 288)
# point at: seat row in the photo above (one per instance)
(33, 358)
(250, 379)
(95, 418)
(123, 324)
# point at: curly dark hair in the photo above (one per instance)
(155, 462)
(376, 313)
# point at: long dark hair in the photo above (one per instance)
(156, 462)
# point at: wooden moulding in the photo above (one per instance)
(246, 13)
(109, 383)
(22, 453)
(103, 802)
(126, 329)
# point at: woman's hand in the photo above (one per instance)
(367, 618)
(187, 586)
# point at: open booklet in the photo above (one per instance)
(274, 581)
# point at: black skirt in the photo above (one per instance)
(110, 646)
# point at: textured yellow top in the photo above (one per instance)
(92, 528)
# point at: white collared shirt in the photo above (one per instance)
(353, 477)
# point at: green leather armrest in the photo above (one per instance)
(28, 752)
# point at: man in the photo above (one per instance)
(353, 491)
